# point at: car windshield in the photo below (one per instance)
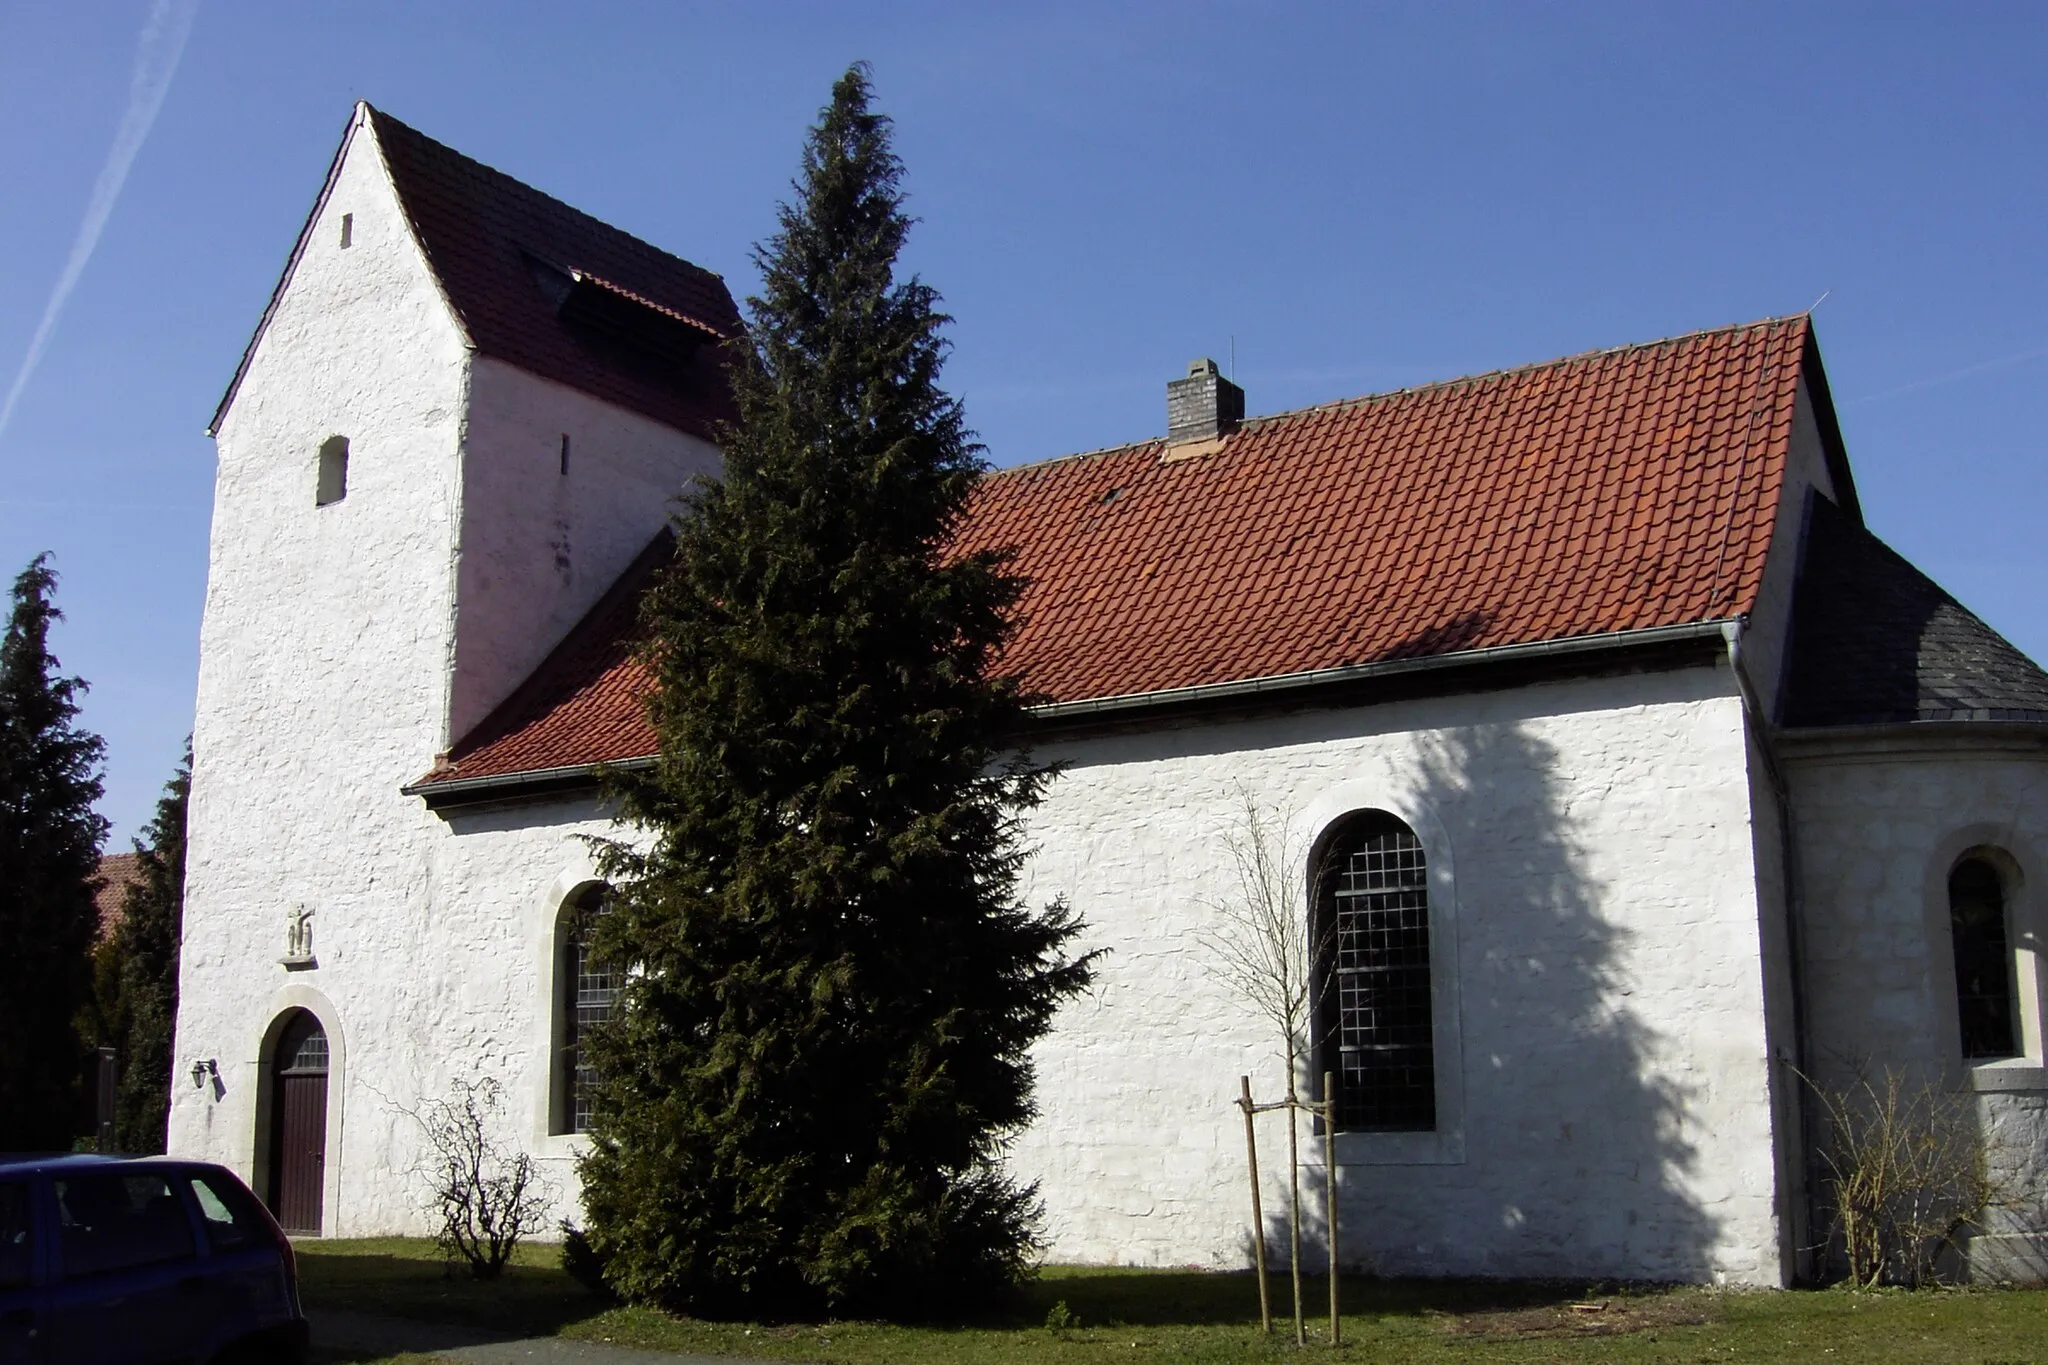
(112, 1222)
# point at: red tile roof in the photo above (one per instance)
(117, 872)
(582, 705)
(1616, 491)
(494, 244)
(1608, 492)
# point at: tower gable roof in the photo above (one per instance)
(547, 288)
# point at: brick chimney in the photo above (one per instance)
(1203, 406)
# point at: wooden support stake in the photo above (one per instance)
(1330, 1191)
(1251, 1151)
(1294, 1205)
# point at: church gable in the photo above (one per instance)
(531, 281)
(356, 285)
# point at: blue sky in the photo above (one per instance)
(1362, 196)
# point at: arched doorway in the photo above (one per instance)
(298, 1123)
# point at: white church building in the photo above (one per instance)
(1633, 774)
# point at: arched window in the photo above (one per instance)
(1373, 1007)
(1984, 968)
(586, 990)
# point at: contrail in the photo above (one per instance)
(1967, 372)
(156, 61)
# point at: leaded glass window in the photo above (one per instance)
(1984, 985)
(589, 991)
(1374, 985)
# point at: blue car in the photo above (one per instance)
(141, 1261)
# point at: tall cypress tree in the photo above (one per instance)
(833, 984)
(136, 972)
(50, 839)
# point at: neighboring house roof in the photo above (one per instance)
(1619, 491)
(1874, 640)
(550, 289)
(117, 872)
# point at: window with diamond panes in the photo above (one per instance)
(1374, 1015)
(589, 992)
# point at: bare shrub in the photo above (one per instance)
(1261, 946)
(1261, 942)
(1907, 1175)
(487, 1199)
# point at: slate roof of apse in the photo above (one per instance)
(117, 872)
(483, 232)
(1614, 491)
(1874, 640)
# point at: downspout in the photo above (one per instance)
(1757, 722)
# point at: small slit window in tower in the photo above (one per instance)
(565, 452)
(348, 230)
(333, 484)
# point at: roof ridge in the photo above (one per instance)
(1051, 460)
(1433, 385)
(1509, 371)
(380, 117)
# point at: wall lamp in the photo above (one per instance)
(202, 1069)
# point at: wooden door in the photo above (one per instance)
(298, 1153)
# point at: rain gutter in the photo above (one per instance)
(1277, 688)
(453, 791)
(1288, 683)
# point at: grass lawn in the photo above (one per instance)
(1194, 1315)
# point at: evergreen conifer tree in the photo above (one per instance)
(136, 972)
(832, 983)
(50, 841)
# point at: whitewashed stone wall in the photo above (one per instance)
(473, 1002)
(1609, 1064)
(540, 546)
(323, 657)
(336, 644)
(1883, 818)
(1608, 1057)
